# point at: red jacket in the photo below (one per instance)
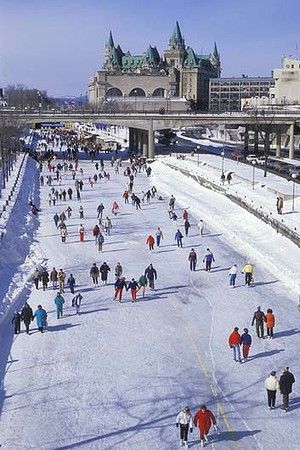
(150, 240)
(185, 215)
(204, 420)
(234, 338)
(270, 320)
(96, 230)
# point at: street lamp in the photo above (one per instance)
(253, 173)
(198, 155)
(135, 96)
(294, 176)
(222, 154)
(39, 100)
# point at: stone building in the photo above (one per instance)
(178, 73)
(287, 82)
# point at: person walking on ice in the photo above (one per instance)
(234, 342)
(120, 284)
(26, 316)
(76, 302)
(81, 232)
(203, 420)
(200, 226)
(150, 242)
(246, 342)
(193, 260)
(184, 421)
(159, 236)
(104, 269)
(286, 382)
(272, 386)
(178, 238)
(100, 241)
(133, 286)
(143, 283)
(208, 259)
(94, 273)
(248, 271)
(232, 275)
(258, 319)
(59, 302)
(151, 275)
(270, 322)
(41, 318)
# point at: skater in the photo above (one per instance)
(172, 202)
(94, 273)
(234, 342)
(151, 275)
(63, 234)
(272, 386)
(279, 205)
(246, 342)
(107, 226)
(69, 212)
(187, 226)
(120, 284)
(178, 238)
(270, 322)
(70, 193)
(126, 196)
(81, 212)
(185, 215)
(286, 383)
(142, 283)
(61, 278)
(26, 316)
(184, 421)
(16, 320)
(259, 318)
(150, 242)
(159, 236)
(100, 241)
(41, 318)
(100, 211)
(193, 260)
(36, 277)
(203, 420)
(104, 269)
(232, 275)
(71, 282)
(118, 270)
(59, 302)
(76, 301)
(248, 271)
(208, 259)
(56, 219)
(54, 278)
(200, 226)
(133, 286)
(96, 231)
(115, 208)
(45, 279)
(81, 232)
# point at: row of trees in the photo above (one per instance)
(20, 96)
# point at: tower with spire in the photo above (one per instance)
(215, 60)
(175, 53)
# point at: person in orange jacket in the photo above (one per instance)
(150, 242)
(203, 420)
(185, 215)
(234, 342)
(270, 322)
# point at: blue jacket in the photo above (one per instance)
(41, 317)
(59, 301)
(246, 339)
(209, 257)
(71, 281)
(178, 235)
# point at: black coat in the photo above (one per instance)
(151, 273)
(27, 314)
(104, 269)
(286, 382)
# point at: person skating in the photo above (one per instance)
(56, 219)
(151, 275)
(41, 318)
(16, 320)
(187, 226)
(234, 342)
(172, 202)
(193, 260)
(150, 242)
(54, 278)
(279, 205)
(100, 241)
(184, 421)
(71, 282)
(26, 316)
(61, 279)
(272, 386)
(45, 279)
(76, 302)
(159, 236)
(81, 212)
(118, 270)
(208, 259)
(120, 284)
(248, 271)
(258, 319)
(232, 275)
(178, 238)
(63, 234)
(94, 273)
(133, 286)
(126, 196)
(185, 215)
(200, 226)
(270, 322)
(115, 208)
(69, 212)
(286, 382)
(100, 209)
(246, 342)
(59, 303)
(143, 283)
(203, 420)
(107, 226)
(36, 277)
(81, 232)
(104, 269)
(96, 231)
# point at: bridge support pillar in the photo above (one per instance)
(145, 144)
(151, 148)
(246, 141)
(255, 147)
(278, 144)
(131, 139)
(292, 141)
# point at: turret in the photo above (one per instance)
(215, 60)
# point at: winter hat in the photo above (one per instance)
(273, 373)
(203, 407)
(246, 330)
(236, 328)
(258, 308)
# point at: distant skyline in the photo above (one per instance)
(57, 45)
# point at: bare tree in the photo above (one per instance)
(264, 123)
(20, 96)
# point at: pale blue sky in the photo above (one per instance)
(56, 45)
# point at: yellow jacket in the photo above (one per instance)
(248, 268)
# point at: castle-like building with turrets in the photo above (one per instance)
(178, 73)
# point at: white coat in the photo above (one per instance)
(233, 270)
(184, 418)
(272, 383)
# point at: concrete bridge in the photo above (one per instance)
(143, 125)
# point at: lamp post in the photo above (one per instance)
(198, 155)
(222, 154)
(135, 96)
(253, 173)
(39, 101)
(294, 176)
